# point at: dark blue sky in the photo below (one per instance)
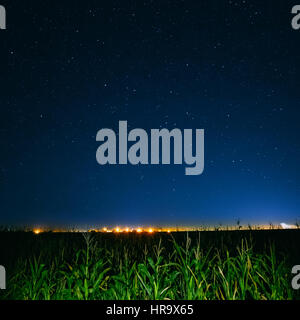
(70, 68)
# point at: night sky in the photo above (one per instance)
(71, 68)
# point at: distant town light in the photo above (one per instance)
(139, 230)
(37, 231)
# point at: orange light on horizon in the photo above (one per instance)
(104, 229)
(37, 231)
(139, 230)
(127, 230)
(150, 230)
(117, 229)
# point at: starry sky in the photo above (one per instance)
(70, 68)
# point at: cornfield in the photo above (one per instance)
(199, 265)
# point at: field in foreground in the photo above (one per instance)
(194, 265)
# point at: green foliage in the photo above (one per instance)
(145, 268)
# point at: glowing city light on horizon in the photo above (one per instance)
(151, 230)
